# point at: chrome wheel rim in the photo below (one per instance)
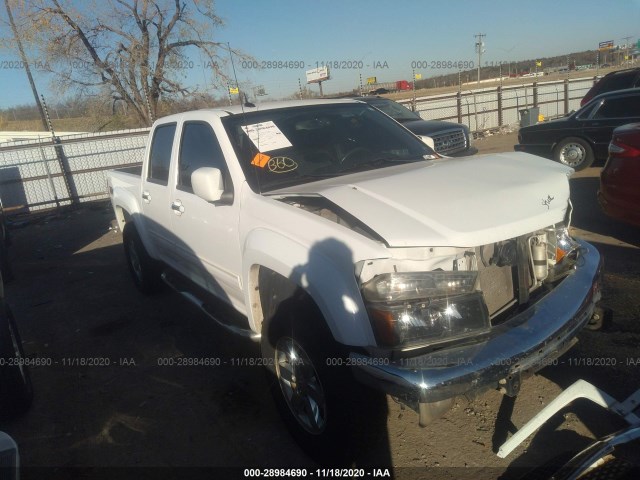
(301, 386)
(572, 154)
(134, 259)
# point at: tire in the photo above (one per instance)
(16, 390)
(574, 152)
(325, 410)
(144, 270)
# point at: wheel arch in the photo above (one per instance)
(276, 268)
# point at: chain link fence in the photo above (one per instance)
(53, 172)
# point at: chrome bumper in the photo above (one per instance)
(514, 349)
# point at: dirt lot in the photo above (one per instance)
(74, 300)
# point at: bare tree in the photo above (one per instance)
(25, 62)
(132, 51)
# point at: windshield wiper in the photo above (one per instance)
(383, 161)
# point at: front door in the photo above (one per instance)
(207, 233)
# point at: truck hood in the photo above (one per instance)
(460, 202)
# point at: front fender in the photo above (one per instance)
(325, 270)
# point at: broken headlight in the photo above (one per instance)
(424, 308)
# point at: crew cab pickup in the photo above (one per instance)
(364, 263)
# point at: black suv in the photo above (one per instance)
(619, 80)
(451, 139)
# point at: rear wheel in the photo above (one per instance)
(16, 390)
(574, 152)
(325, 410)
(145, 271)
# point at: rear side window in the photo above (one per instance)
(160, 156)
(618, 82)
(199, 147)
(621, 107)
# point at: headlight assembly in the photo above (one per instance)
(424, 308)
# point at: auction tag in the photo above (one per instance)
(266, 136)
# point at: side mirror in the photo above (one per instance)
(207, 183)
(428, 141)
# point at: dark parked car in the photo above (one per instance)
(449, 138)
(5, 241)
(618, 80)
(16, 392)
(579, 138)
(619, 195)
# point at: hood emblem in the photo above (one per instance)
(548, 201)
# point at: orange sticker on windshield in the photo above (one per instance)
(260, 160)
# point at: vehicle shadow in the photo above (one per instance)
(331, 262)
(75, 300)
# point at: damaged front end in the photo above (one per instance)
(458, 321)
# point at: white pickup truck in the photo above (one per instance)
(363, 262)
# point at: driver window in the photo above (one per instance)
(199, 147)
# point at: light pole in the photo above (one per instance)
(480, 50)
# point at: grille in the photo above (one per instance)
(450, 141)
(497, 287)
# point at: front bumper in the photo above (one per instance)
(514, 349)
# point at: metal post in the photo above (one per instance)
(300, 88)
(566, 96)
(500, 105)
(535, 94)
(321, 94)
(62, 161)
(413, 87)
(459, 105)
(48, 170)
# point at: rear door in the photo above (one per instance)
(155, 193)
(207, 233)
(612, 113)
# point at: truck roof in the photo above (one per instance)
(237, 109)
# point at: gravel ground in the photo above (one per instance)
(74, 300)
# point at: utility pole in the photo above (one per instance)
(626, 47)
(23, 57)
(480, 50)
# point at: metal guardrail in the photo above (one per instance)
(495, 107)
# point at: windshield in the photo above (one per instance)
(398, 112)
(290, 146)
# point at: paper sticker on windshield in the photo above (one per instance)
(260, 160)
(266, 136)
(281, 165)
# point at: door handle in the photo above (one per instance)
(146, 196)
(177, 207)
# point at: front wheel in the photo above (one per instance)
(574, 152)
(329, 414)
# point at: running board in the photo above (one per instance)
(202, 306)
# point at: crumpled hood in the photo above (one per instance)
(452, 202)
